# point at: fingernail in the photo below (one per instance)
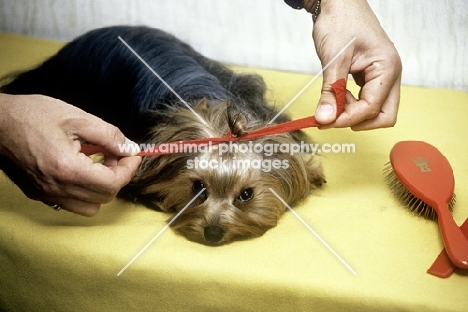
(325, 111)
(132, 147)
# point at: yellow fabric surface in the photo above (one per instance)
(57, 261)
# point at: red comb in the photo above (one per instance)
(339, 87)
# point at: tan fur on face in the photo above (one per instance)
(166, 182)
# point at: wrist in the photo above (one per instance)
(313, 7)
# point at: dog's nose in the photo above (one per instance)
(213, 234)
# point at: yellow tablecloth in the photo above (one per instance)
(57, 261)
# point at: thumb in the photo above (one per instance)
(336, 64)
(325, 112)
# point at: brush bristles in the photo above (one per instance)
(414, 204)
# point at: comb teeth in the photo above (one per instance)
(413, 203)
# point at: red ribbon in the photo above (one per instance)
(339, 88)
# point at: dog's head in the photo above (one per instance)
(233, 180)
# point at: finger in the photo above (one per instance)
(379, 95)
(99, 132)
(110, 161)
(388, 112)
(78, 176)
(77, 206)
(363, 115)
(345, 115)
(107, 180)
(379, 101)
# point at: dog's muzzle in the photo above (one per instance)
(213, 234)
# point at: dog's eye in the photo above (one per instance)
(197, 186)
(246, 194)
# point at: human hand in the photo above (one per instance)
(41, 138)
(371, 59)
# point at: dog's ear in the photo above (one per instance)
(202, 105)
(302, 176)
(236, 120)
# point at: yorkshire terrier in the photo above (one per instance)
(99, 74)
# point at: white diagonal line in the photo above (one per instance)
(315, 233)
(312, 80)
(162, 80)
(160, 232)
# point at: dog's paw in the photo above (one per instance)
(315, 174)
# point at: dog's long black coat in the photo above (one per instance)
(99, 74)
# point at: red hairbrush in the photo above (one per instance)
(422, 177)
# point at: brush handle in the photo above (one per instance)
(443, 266)
(455, 242)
